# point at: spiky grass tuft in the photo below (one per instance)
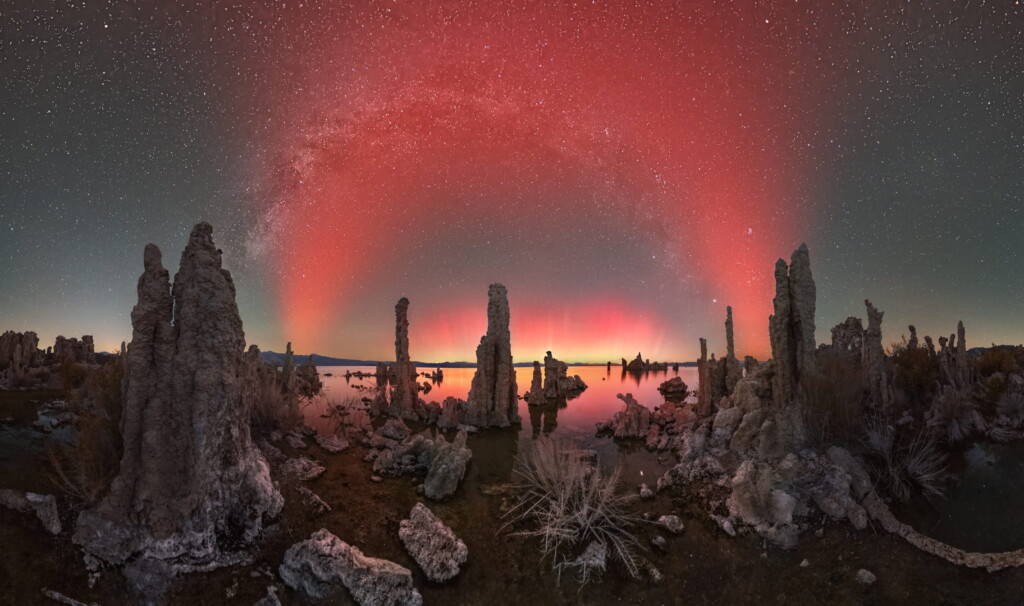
(572, 505)
(901, 470)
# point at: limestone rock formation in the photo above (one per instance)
(727, 372)
(307, 378)
(874, 359)
(791, 327)
(432, 544)
(848, 338)
(404, 394)
(191, 480)
(493, 396)
(535, 397)
(322, 564)
(557, 382)
(674, 389)
(19, 349)
(634, 421)
(82, 352)
(703, 374)
(447, 466)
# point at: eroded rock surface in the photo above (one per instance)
(190, 479)
(436, 549)
(323, 564)
(493, 396)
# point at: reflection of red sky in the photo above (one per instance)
(660, 112)
(573, 335)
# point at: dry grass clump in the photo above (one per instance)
(914, 372)
(996, 359)
(952, 415)
(1011, 406)
(85, 467)
(572, 506)
(900, 470)
(270, 409)
(833, 403)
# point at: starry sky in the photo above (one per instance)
(626, 169)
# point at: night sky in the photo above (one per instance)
(626, 169)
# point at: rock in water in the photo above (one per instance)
(432, 544)
(191, 480)
(404, 395)
(322, 564)
(493, 395)
(447, 466)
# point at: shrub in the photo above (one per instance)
(996, 359)
(900, 470)
(573, 506)
(833, 403)
(85, 467)
(1011, 406)
(914, 372)
(72, 376)
(952, 415)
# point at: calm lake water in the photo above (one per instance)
(575, 421)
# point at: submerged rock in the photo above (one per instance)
(436, 549)
(190, 479)
(321, 565)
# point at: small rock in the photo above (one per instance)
(805, 563)
(376, 478)
(660, 543)
(646, 492)
(865, 577)
(294, 441)
(671, 523)
(303, 467)
(331, 443)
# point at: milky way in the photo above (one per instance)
(627, 169)
(445, 127)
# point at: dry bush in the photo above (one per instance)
(902, 469)
(914, 372)
(1011, 406)
(952, 415)
(72, 376)
(996, 359)
(833, 402)
(271, 408)
(573, 505)
(84, 467)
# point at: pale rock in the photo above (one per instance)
(321, 565)
(436, 549)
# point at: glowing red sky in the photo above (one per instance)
(469, 143)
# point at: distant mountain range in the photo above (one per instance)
(277, 359)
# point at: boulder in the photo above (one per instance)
(321, 565)
(447, 466)
(436, 549)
